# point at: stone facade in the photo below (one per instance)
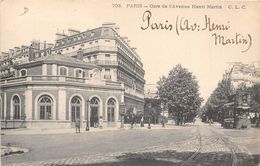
(118, 61)
(95, 64)
(247, 74)
(46, 100)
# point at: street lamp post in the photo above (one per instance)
(87, 122)
(149, 120)
(122, 113)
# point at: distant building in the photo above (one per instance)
(150, 91)
(152, 96)
(118, 61)
(248, 74)
(53, 83)
(23, 54)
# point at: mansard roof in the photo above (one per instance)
(100, 32)
(60, 60)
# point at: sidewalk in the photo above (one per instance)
(22, 131)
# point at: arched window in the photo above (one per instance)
(75, 108)
(45, 103)
(94, 101)
(23, 72)
(16, 107)
(63, 71)
(79, 73)
(94, 109)
(111, 107)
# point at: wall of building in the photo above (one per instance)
(7, 101)
(61, 108)
(103, 96)
(132, 103)
(35, 70)
(2, 105)
(37, 93)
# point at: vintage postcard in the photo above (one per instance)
(133, 82)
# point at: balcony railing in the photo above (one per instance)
(99, 48)
(56, 79)
(45, 78)
(134, 93)
(105, 62)
(18, 79)
(74, 79)
(113, 83)
(92, 49)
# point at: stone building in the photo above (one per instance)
(23, 54)
(55, 90)
(85, 75)
(247, 74)
(117, 60)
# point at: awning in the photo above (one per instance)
(229, 104)
(243, 107)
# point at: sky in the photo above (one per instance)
(160, 50)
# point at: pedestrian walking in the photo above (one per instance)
(142, 122)
(132, 121)
(162, 121)
(210, 122)
(96, 121)
(194, 120)
(77, 125)
(100, 122)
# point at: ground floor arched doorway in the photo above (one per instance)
(75, 109)
(94, 108)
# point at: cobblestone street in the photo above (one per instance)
(198, 144)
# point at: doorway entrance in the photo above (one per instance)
(94, 108)
(75, 110)
(94, 117)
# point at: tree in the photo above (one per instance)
(180, 91)
(154, 111)
(218, 98)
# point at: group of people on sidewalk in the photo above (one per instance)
(100, 124)
(96, 124)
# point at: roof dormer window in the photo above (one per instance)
(79, 73)
(23, 72)
(63, 71)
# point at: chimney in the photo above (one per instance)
(49, 45)
(111, 25)
(31, 54)
(72, 32)
(117, 29)
(17, 49)
(4, 53)
(134, 48)
(35, 44)
(126, 40)
(11, 51)
(80, 55)
(23, 46)
(60, 36)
